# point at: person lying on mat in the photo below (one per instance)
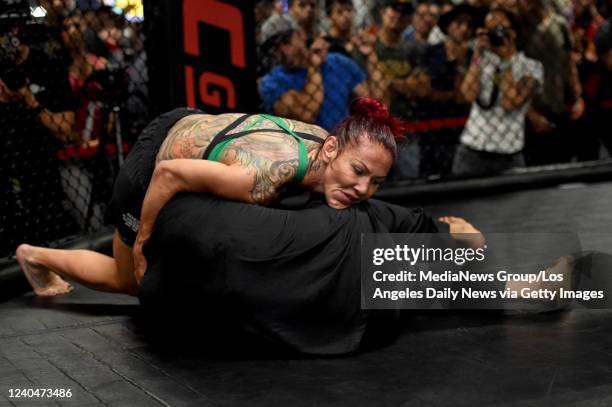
(248, 158)
(291, 277)
(290, 274)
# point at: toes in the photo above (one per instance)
(46, 292)
(54, 291)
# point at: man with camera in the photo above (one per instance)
(37, 113)
(500, 83)
(309, 83)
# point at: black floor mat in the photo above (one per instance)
(88, 342)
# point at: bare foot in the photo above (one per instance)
(45, 282)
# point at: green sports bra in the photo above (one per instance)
(222, 139)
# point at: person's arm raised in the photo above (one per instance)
(306, 103)
(470, 86)
(376, 85)
(60, 124)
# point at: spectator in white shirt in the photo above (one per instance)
(500, 83)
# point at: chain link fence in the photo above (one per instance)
(486, 86)
(73, 97)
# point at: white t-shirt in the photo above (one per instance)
(436, 36)
(495, 130)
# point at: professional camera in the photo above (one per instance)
(112, 83)
(13, 14)
(498, 36)
(17, 26)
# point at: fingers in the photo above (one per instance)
(366, 37)
(319, 45)
(3, 87)
(464, 232)
(140, 266)
(546, 126)
(451, 219)
(482, 40)
(577, 109)
(541, 124)
(139, 272)
(139, 261)
(318, 51)
(364, 42)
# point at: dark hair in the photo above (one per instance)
(514, 23)
(426, 2)
(266, 52)
(370, 118)
(330, 3)
(271, 44)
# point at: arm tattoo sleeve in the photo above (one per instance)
(270, 170)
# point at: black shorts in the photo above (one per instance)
(135, 174)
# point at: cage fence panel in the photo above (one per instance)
(485, 86)
(73, 98)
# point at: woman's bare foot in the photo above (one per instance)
(45, 282)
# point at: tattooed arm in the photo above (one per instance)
(251, 178)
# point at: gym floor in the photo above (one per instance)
(88, 342)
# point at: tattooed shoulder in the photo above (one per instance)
(308, 128)
(190, 136)
(271, 169)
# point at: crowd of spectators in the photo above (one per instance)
(70, 71)
(486, 85)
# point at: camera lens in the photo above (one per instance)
(497, 36)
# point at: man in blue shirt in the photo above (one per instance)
(310, 85)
